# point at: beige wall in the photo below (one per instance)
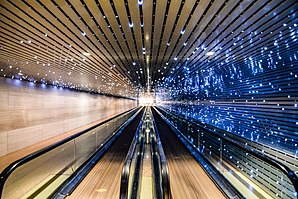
(30, 113)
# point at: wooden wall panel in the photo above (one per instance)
(52, 129)
(3, 143)
(40, 116)
(21, 101)
(12, 119)
(53, 101)
(70, 124)
(31, 112)
(3, 100)
(21, 138)
(65, 113)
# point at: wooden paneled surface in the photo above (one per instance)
(24, 101)
(31, 113)
(3, 143)
(3, 100)
(21, 138)
(52, 129)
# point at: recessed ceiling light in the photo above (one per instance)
(210, 53)
(86, 54)
(20, 73)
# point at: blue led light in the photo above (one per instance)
(253, 94)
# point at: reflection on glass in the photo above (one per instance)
(243, 169)
(41, 176)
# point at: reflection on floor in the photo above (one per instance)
(242, 182)
(36, 193)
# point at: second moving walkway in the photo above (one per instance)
(130, 163)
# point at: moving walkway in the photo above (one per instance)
(89, 164)
(55, 171)
(145, 172)
(243, 163)
(142, 153)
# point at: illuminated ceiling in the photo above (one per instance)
(109, 46)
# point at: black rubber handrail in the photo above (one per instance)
(286, 170)
(13, 166)
(165, 177)
(156, 169)
(136, 183)
(127, 163)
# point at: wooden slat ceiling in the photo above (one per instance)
(128, 40)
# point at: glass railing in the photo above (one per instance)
(274, 178)
(41, 173)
